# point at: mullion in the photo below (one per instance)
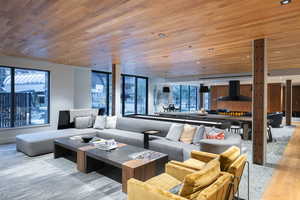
(107, 94)
(135, 95)
(12, 96)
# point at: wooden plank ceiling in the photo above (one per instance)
(199, 36)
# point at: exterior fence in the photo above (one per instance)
(22, 114)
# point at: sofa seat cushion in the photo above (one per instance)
(219, 146)
(127, 137)
(42, 142)
(164, 181)
(163, 145)
(195, 164)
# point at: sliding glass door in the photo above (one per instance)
(142, 92)
(129, 95)
(100, 91)
(134, 95)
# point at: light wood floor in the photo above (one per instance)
(285, 183)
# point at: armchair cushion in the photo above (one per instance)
(164, 181)
(194, 164)
(175, 169)
(228, 157)
(138, 190)
(220, 189)
(198, 180)
(203, 156)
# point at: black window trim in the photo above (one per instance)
(12, 93)
(123, 90)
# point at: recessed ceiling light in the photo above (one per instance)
(211, 49)
(285, 2)
(162, 35)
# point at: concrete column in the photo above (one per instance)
(288, 102)
(116, 90)
(259, 102)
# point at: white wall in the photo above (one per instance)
(69, 88)
(82, 92)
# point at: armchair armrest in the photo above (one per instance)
(203, 156)
(177, 170)
(138, 190)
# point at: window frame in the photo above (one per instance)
(107, 88)
(123, 91)
(13, 99)
(135, 94)
(189, 96)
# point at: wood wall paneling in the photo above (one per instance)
(275, 98)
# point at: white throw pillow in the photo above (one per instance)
(175, 132)
(82, 122)
(111, 122)
(100, 122)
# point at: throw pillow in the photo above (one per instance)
(216, 136)
(100, 122)
(199, 134)
(82, 122)
(111, 122)
(188, 134)
(175, 132)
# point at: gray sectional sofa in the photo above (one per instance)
(129, 131)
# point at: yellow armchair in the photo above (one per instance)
(207, 184)
(231, 161)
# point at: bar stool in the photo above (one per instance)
(236, 127)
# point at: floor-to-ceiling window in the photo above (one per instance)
(142, 92)
(193, 98)
(24, 97)
(101, 85)
(185, 97)
(134, 95)
(129, 94)
(5, 97)
(176, 98)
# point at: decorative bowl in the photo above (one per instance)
(87, 139)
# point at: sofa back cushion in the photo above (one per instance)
(83, 122)
(140, 125)
(197, 181)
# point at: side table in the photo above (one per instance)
(146, 136)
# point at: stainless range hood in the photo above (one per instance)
(234, 93)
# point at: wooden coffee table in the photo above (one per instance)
(89, 158)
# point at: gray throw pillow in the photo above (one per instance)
(175, 132)
(175, 189)
(82, 122)
(199, 134)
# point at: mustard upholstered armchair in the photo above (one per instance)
(231, 161)
(207, 184)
